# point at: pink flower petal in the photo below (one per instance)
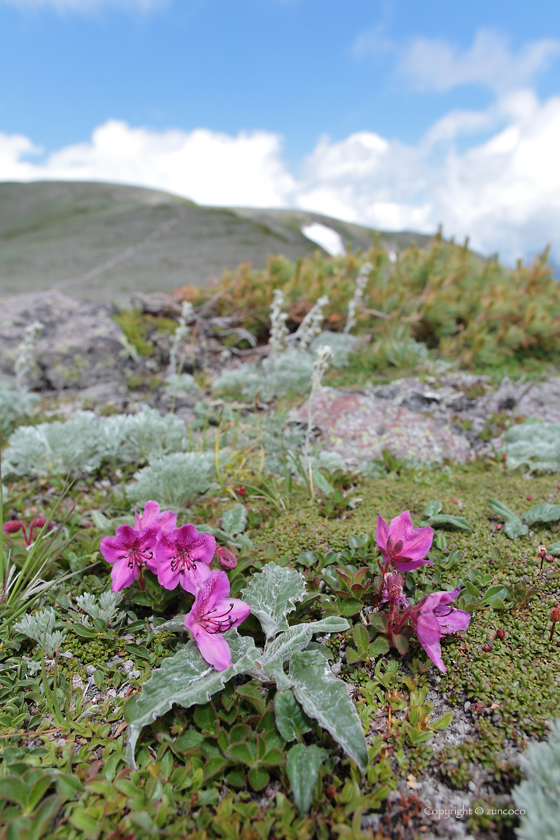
(213, 647)
(122, 574)
(192, 580)
(234, 609)
(400, 527)
(381, 534)
(111, 548)
(429, 634)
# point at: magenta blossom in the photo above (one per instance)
(401, 544)
(183, 556)
(152, 516)
(434, 617)
(14, 525)
(130, 550)
(213, 613)
(393, 590)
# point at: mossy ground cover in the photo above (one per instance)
(64, 773)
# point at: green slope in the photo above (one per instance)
(104, 241)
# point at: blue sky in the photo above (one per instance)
(396, 114)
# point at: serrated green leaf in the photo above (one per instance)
(321, 483)
(272, 594)
(512, 530)
(350, 606)
(234, 520)
(325, 699)
(243, 752)
(251, 693)
(298, 637)
(542, 513)
(353, 656)
(378, 621)
(432, 508)
(258, 779)
(401, 644)
(442, 723)
(13, 789)
(189, 740)
(291, 720)
(83, 631)
(236, 778)
(43, 815)
(214, 765)
(449, 523)
(378, 647)
(495, 592)
(500, 509)
(174, 625)
(361, 637)
(303, 767)
(185, 679)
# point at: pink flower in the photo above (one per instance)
(183, 556)
(401, 544)
(393, 589)
(130, 550)
(226, 558)
(434, 617)
(213, 613)
(14, 525)
(153, 516)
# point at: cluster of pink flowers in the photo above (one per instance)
(180, 556)
(406, 548)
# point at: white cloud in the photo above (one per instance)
(435, 65)
(205, 166)
(504, 192)
(84, 5)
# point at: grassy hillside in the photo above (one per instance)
(103, 241)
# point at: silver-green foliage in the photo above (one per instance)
(174, 480)
(272, 595)
(539, 794)
(279, 375)
(342, 344)
(15, 406)
(104, 609)
(40, 628)
(85, 441)
(534, 445)
(186, 679)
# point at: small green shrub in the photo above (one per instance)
(174, 480)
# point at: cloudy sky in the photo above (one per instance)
(395, 114)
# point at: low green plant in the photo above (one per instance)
(176, 480)
(538, 796)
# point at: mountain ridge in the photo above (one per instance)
(104, 241)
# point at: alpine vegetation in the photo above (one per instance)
(538, 796)
(176, 480)
(310, 327)
(25, 360)
(84, 442)
(533, 445)
(40, 628)
(104, 608)
(357, 300)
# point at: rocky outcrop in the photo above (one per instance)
(80, 346)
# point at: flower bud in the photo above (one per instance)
(39, 522)
(555, 614)
(226, 558)
(394, 585)
(541, 552)
(501, 633)
(241, 490)
(12, 525)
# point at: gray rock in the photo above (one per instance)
(80, 346)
